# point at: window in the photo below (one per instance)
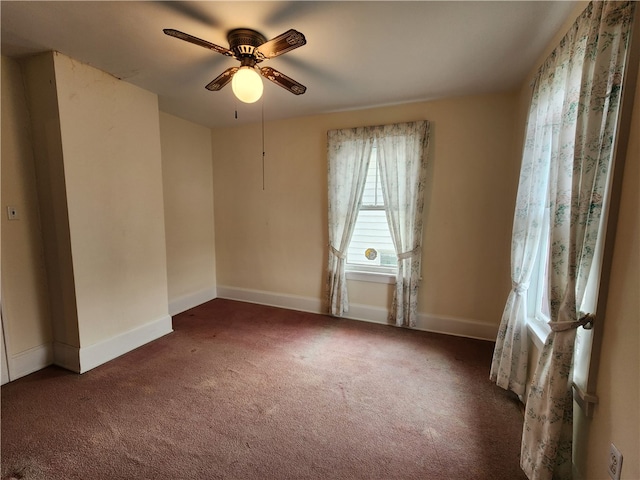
(371, 248)
(389, 159)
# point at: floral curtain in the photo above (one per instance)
(578, 138)
(403, 165)
(349, 153)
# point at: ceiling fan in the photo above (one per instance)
(250, 48)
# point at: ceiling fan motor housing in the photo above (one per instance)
(244, 41)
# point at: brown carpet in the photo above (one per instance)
(242, 391)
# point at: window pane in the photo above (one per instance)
(372, 231)
(372, 195)
(371, 244)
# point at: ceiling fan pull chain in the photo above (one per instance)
(263, 144)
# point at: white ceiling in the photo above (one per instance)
(359, 54)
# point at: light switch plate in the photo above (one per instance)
(12, 213)
(615, 462)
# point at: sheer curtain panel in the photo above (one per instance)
(403, 165)
(509, 364)
(348, 153)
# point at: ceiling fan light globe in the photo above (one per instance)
(247, 85)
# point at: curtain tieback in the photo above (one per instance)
(405, 255)
(519, 288)
(585, 321)
(337, 252)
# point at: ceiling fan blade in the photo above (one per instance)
(282, 80)
(281, 44)
(197, 41)
(222, 79)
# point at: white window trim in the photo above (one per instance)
(539, 330)
(359, 274)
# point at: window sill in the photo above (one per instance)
(538, 331)
(373, 277)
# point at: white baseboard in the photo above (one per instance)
(29, 361)
(185, 302)
(80, 360)
(84, 359)
(290, 302)
(460, 327)
(367, 313)
(102, 352)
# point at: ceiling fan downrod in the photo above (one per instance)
(243, 43)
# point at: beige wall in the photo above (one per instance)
(113, 175)
(274, 240)
(95, 143)
(25, 300)
(46, 143)
(90, 160)
(188, 209)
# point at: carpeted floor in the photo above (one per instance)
(242, 391)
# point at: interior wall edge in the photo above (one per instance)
(66, 356)
(97, 354)
(191, 300)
